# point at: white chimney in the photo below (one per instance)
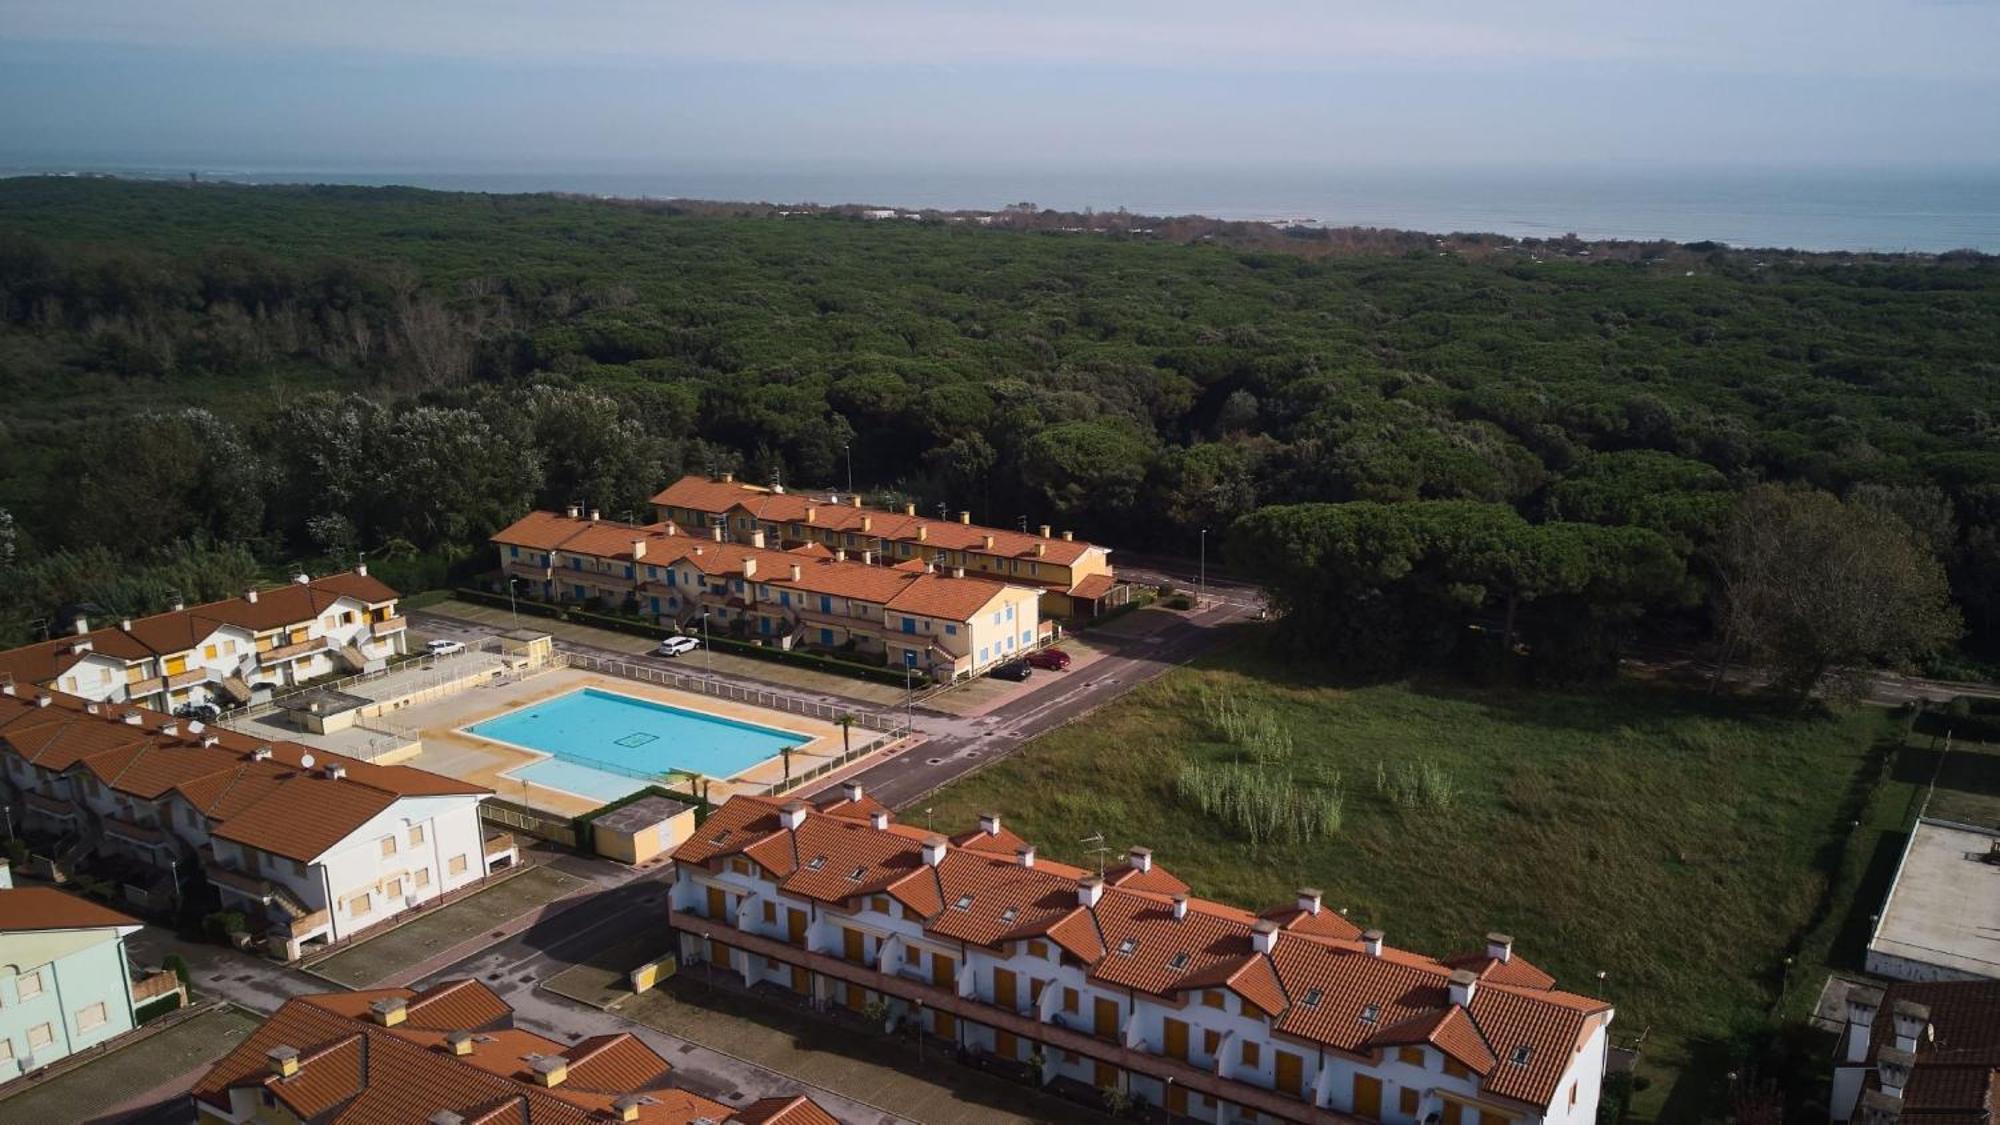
(574, 511)
(868, 558)
(124, 624)
(1309, 900)
(1264, 936)
(879, 820)
(1180, 907)
(460, 1042)
(910, 509)
(965, 517)
(749, 568)
(1500, 947)
(792, 815)
(757, 538)
(1045, 531)
(134, 719)
(1069, 536)
(989, 823)
(934, 848)
(1140, 858)
(261, 754)
(170, 729)
(715, 533)
(1371, 942)
(1025, 855)
(958, 572)
(798, 572)
(360, 568)
(593, 515)
(812, 514)
(638, 549)
(1893, 1067)
(923, 532)
(302, 579)
(729, 478)
(851, 791)
(81, 625)
(1462, 984)
(251, 596)
(1089, 889)
(282, 1061)
(336, 772)
(1911, 1018)
(840, 554)
(986, 542)
(44, 700)
(1863, 1003)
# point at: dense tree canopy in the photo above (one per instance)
(318, 371)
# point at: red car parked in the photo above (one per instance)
(1054, 659)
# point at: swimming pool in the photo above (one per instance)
(628, 737)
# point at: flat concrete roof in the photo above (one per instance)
(323, 701)
(1944, 908)
(641, 814)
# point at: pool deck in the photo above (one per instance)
(450, 751)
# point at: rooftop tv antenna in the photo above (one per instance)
(944, 510)
(1098, 848)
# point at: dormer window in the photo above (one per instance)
(1178, 961)
(815, 863)
(1521, 1055)
(1126, 947)
(1370, 1013)
(964, 903)
(1311, 999)
(1009, 914)
(855, 875)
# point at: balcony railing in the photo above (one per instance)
(293, 651)
(1077, 1042)
(384, 628)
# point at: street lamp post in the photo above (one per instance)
(848, 449)
(909, 703)
(512, 608)
(1201, 592)
(708, 653)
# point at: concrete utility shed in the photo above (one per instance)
(642, 830)
(1942, 920)
(323, 710)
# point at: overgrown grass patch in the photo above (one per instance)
(1680, 845)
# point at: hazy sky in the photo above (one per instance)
(644, 84)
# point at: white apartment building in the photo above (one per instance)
(221, 653)
(311, 847)
(1123, 980)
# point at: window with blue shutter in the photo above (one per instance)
(513, 552)
(656, 605)
(826, 636)
(951, 630)
(909, 625)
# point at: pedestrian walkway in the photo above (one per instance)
(447, 933)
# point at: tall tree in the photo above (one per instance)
(1820, 591)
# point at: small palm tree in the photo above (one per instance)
(846, 723)
(786, 753)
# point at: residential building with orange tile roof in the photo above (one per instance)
(945, 624)
(65, 981)
(311, 846)
(220, 653)
(451, 1055)
(1076, 577)
(1922, 1051)
(1122, 978)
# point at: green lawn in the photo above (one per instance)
(1680, 845)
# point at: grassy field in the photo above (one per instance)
(1681, 846)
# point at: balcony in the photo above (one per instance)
(930, 996)
(141, 834)
(386, 628)
(294, 651)
(188, 678)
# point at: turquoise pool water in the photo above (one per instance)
(628, 741)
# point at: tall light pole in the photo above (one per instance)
(708, 652)
(512, 608)
(848, 449)
(1201, 592)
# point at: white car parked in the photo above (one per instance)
(442, 647)
(676, 646)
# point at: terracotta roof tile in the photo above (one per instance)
(44, 908)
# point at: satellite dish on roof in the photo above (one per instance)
(305, 761)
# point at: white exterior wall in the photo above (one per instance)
(999, 633)
(357, 866)
(1586, 1071)
(96, 677)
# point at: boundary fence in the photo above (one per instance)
(722, 689)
